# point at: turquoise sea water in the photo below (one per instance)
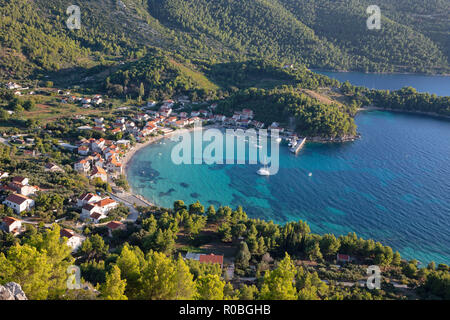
(439, 85)
(393, 185)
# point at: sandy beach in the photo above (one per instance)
(132, 197)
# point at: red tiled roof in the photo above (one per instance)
(17, 198)
(86, 196)
(88, 206)
(114, 225)
(211, 258)
(343, 257)
(98, 170)
(95, 215)
(18, 179)
(104, 202)
(9, 220)
(66, 233)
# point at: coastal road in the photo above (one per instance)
(4, 141)
(128, 200)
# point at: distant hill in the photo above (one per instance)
(199, 34)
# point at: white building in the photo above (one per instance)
(73, 240)
(12, 225)
(82, 166)
(19, 203)
(87, 198)
(99, 172)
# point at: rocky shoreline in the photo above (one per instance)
(334, 140)
(430, 114)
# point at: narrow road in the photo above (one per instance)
(134, 213)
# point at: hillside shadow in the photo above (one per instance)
(247, 74)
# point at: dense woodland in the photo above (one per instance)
(320, 34)
(312, 118)
(142, 262)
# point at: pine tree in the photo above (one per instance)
(114, 286)
(279, 283)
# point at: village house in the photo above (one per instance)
(11, 225)
(99, 129)
(106, 205)
(203, 112)
(83, 150)
(99, 172)
(99, 121)
(88, 209)
(74, 241)
(219, 117)
(114, 167)
(181, 123)
(171, 121)
(21, 180)
(243, 122)
(183, 115)
(4, 174)
(51, 167)
(86, 198)
(116, 131)
(82, 166)
(165, 111)
(141, 117)
(86, 100)
(151, 103)
(195, 114)
(258, 125)
(236, 117)
(12, 86)
(343, 258)
(195, 120)
(97, 100)
(21, 186)
(97, 145)
(19, 203)
(123, 143)
(98, 210)
(168, 103)
(149, 129)
(247, 114)
(205, 258)
(115, 225)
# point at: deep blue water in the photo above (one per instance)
(440, 85)
(393, 185)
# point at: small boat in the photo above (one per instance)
(263, 172)
(310, 174)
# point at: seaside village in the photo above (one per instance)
(95, 140)
(103, 160)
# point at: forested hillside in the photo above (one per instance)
(319, 34)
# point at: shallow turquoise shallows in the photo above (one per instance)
(393, 185)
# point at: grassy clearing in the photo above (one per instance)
(198, 77)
